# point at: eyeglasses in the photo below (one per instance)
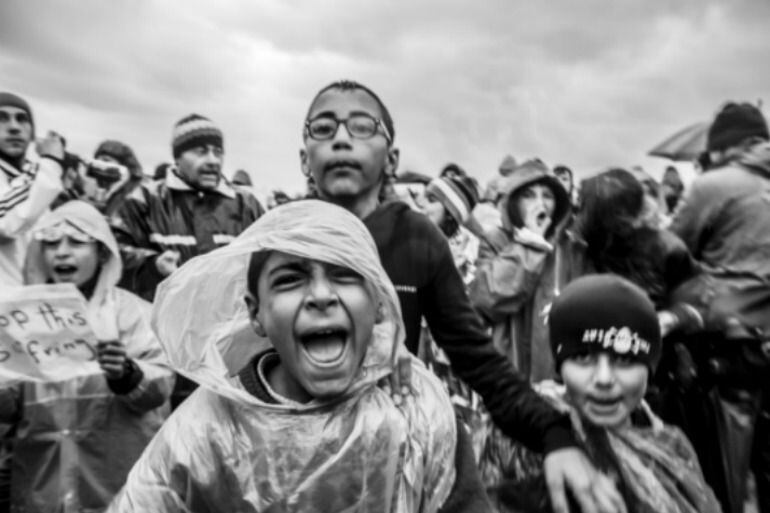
(55, 233)
(359, 126)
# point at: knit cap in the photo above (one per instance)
(735, 123)
(604, 313)
(11, 100)
(193, 131)
(458, 194)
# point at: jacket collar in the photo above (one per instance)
(9, 169)
(176, 183)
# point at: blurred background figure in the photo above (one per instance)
(277, 198)
(523, 265)
(672, 188)
(655, 211)
(242, 177)
(161, 170)
(723, 220)
(111, 176)
(452, 170)
(409, 187)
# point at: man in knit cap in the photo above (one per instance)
(162, 224)
(26, 189)
(723, 221)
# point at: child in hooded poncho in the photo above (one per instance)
(309, 423)
(76, 439)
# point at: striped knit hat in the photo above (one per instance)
(458, 195)
(193, 131)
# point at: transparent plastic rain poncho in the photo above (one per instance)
(226, 450)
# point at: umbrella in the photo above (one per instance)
(686, 144)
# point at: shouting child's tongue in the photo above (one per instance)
(325, 346)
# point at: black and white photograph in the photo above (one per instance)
(294, 256)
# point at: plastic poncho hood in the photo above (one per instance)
(224, 449)
(201, 317)
(90, 221)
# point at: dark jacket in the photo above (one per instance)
(723, 219)
(159, 216)
(518, 276)
(417, 258)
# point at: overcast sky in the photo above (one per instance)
(590, 83)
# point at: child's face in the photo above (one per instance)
(343, 166)
(536, 197)
(432, 208)
(71, 259)
(604, 388)
(319, 317)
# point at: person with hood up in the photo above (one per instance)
(723, 221)
(605, 340)
(522, 266)
(309, 424)
(77, 439)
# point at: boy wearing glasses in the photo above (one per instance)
(349, 153)
(77, 439)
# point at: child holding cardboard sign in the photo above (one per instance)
(77, 438)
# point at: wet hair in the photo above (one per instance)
(257, 262)
(611, 203)
(350, 85)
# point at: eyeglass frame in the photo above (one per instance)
(378, 123)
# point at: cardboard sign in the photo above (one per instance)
(44, 334)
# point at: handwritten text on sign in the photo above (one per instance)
(44, 334)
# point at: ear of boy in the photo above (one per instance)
(253, 306)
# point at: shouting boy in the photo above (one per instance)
(310, 423)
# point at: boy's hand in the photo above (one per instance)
(593, 491)
(167, 262)
(112, 358)
(536, 219)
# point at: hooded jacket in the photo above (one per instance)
(25, 194)
(160, 216)
(77, 439)
(723, 222)
(225, 449)
(518, 276)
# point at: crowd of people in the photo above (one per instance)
(391, 341)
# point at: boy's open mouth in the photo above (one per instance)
(325, 346)
(65, 269)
